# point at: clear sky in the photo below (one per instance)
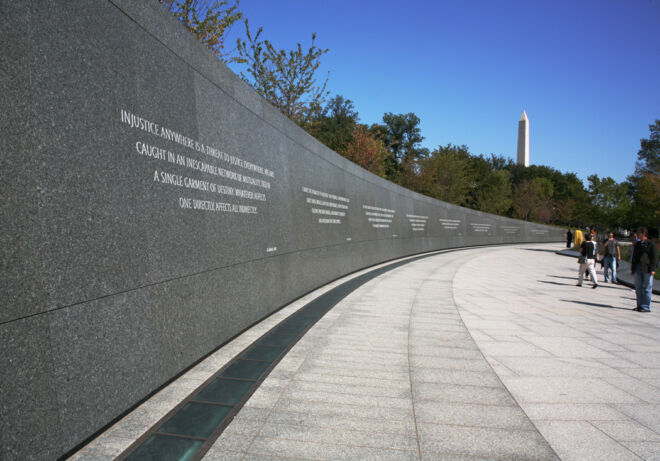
(587, 72)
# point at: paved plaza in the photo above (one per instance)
(485, 353)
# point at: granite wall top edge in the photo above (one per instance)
(151, 16)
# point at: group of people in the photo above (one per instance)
(643, 262)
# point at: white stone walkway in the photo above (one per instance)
(582, 365)
(488, 353)
(390, 373)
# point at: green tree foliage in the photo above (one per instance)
(648, 156)
(445, 174)
(544, 210)
(568, 212)
(493, 195)
(209, 22)
(532, 199)
(646, 208)
(286, 78)
(645, 182)
(333, 125)
(610, 202)
(402, 136)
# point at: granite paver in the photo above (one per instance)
(396, 375)
(578, 361)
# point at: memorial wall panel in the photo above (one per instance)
(154, 206)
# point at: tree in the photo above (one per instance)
(647, 201)
(333, 125)
(445, 174)
(497, 162)
(287, 79)
(648, 156)
(367, 151)
(480, 171)
(402, 136)
(494, 194)
(208, 23)
(532, 199)
(544, 210)
(644, 184)
(524, 199)
(610, 202)
(567, 186)
(568, 212)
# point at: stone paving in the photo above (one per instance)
(581, 364)
(488, 353)
(390, 373)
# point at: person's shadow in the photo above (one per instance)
(602, 306)
(555, 283)
(562, 277)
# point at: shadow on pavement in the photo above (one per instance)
(541, 250)
(562, 277)
(601, 283)
(587, 283)
(606, 306)
(556, 283)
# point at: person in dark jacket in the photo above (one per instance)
(644, 263)
(589, 252)
(569, 238)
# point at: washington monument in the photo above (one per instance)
(523, 140)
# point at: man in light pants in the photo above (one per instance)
(589, 251)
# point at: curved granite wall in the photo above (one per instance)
(154, 206)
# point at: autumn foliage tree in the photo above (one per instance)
(366, 150)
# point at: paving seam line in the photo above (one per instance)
(453, 297)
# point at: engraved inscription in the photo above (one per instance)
(480, 227)
(513, 230)
(380, 218)
(329, 207)
(239, 180)
(450, 224)
(417, 222)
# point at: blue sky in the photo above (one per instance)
(586, 72)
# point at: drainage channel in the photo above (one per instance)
(190, 429)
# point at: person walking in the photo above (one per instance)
(594, 240)
(589, 253)
(569, 238)
(612, 254)
(578, 238)
(644, 263)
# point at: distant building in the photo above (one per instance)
(523, 140)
